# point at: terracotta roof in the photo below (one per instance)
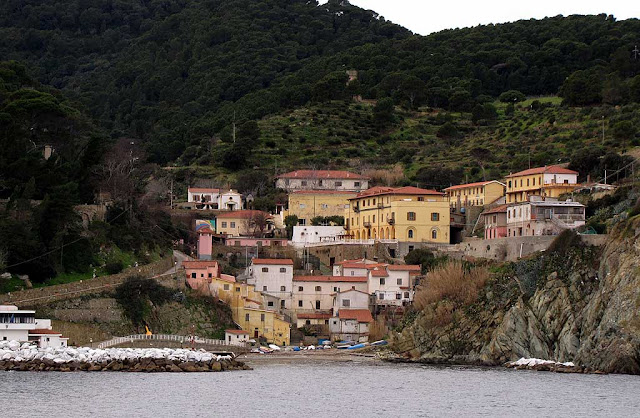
(242, 214)
(205, 230)
(323, 192)
(321, 174)
(236, 331)
(331, 279)
(464, 186)
(43, 331)
(404, 267)
(361, 315)
(379, 272)
(199, 264)
(273, 261)
(552, 169)
(407, 190)
(202, 190)
(497, 209)
(227, 278)
(314, 316)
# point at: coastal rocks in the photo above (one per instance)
(548, 366)
(25, 357)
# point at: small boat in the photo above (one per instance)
(354, 347)
(343, 346)
(296, 348)
(381, 342)
(274, 347)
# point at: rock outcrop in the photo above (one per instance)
(579, 305)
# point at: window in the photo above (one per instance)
(326, 322)
(264, 288)
(303, 205)
(201, 274)
(270, 303)
(356, 184)
(317, 304)
(434, 234)
(262, 317)
(324, 206)
(237, 243)
(226, 287)
(232, 224)
(399, 281)
(346, 303)
(411, 247)
(406, 295)
(283, 288)
(224, 224)
(193, 275)
(210, 275)
(380, 296)
(410, 233)
(246, 317)
(302, 221)
(318, 288)
(283, 269)
(509, 183)
(319, 182)
(382, 281)
(374, 202)
(435, 216)
(336, 289)
(307, 322)
(374, 218)
(338, 184)
(237, 289)
(353, 273)
(398, 296)
(420, 198)
(411, 216)
(303, 183)
(300, 288)
(265, 269)
(299, 304)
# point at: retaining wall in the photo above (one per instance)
(44, 295)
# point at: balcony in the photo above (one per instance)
(366, 224)
(356, 209)
(391, 221)
(380, 206)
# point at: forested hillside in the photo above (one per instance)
(177, 73)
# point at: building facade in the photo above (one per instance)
(322, 180)
(274, 277)
(543, 217)
(315, 293)
(214, 199)
(475, 194)
(305, 235)
(550, 181)
(495, 222)
(307, 204)
(244, 223)
(23, 326)
(408, 214)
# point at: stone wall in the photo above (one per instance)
(44, 295)
(342, 252)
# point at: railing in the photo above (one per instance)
(366, 224)
(165, 337)
(351, 242)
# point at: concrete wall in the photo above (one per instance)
(44, 295)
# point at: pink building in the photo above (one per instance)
(205, 242)
(495, 222)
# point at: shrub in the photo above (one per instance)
(453, 282)
(566, 240)
(511, 96)
(377, 330)
(114, 267)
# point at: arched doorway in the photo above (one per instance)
(393, 232)
(357, 234)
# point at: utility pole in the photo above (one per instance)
(603, 130)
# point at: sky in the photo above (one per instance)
(424, 17)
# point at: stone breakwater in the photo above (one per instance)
(27, 357)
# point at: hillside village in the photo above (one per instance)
(329, 263)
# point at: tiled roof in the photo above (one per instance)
(324, 192)
(464, 186)
(360, 315)
(314, 316)
(199, 264)
(404, 267)
(236, 331)
(242, 214)
(202, 190)
(38, 331)
(379, 272)
(407, 190)
(497, 209)
(205, 230)
(552, 169)
(331, 279)
(321, 174)
(227, 278)
(273, 261)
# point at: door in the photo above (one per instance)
(256, 333)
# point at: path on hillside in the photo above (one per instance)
(178, 258)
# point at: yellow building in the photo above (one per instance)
(307, 204)
(408, 214)
(550, 181)
(474, 194)
(248, 310)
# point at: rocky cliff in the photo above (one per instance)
(573, 303)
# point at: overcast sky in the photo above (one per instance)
(424, 16)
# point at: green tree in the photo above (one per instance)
(383, 112)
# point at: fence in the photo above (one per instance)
(166, 337)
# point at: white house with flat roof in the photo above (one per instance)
(22, 325)
(273, 276)
(540, 216)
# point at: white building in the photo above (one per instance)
(350, 299)
(315, 293)
(236, 336)
(214, 199)
(351, 325)
(541, 216)
(303, 235)
(23, 326)
(322, 180)
(272, 276)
